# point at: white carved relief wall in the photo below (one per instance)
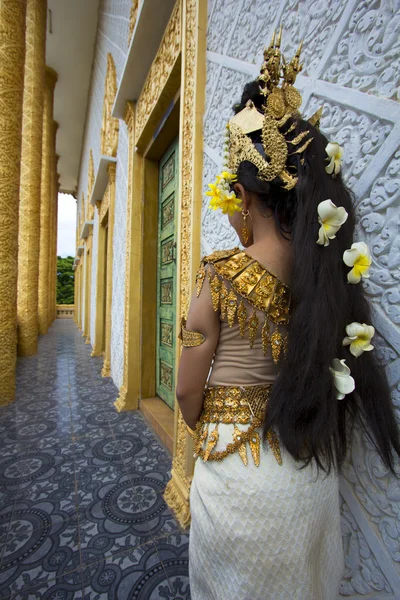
(119, 249)
(112, 37)
(352, 66)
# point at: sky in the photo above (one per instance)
(66, 225)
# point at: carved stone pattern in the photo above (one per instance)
(362, 572)
(159, 71)
(110, 126)
(166, 291)
(119, 249)
(221, 23)
(12, 55)
(166, 334)
(227, 91)
(360, 134)
(379, 220)
(133, 18)
(31, 165)
(367, 55)
(316, 25)
(253, 29)
(167, 213)
(352, 45)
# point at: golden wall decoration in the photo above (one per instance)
(31, 166)
(133, 18)
(90, 184)
(110, 126)
(45, 200)
(12, 57)
(129, 391)
(106, 371)
(193, 90)
(160, 71)
(57, 190)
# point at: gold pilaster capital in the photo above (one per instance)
(129, 116)
(111, 170)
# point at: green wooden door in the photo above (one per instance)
(166, 274)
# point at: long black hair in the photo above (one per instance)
(312, 423)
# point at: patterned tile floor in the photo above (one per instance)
(81, 509)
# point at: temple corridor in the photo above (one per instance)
(81, 508)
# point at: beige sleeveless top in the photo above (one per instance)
(254, 311)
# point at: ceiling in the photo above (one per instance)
(71, 32)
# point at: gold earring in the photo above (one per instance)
(245, 229)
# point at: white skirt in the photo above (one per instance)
(267, 532)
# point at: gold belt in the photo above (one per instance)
(234, 405)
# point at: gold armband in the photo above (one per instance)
(190, 339)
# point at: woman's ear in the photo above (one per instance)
(241, 194)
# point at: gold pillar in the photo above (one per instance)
(55, 238)
(106, 371)
(45, 200)
(191, 141)
(52, 233)
(12, 58)
(128, 398)
(31, 166)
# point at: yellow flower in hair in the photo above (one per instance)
(359, 338)
(335, 153)
(359, 258)
(230, 204)
(221, 196)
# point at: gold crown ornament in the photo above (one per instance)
(281, 103)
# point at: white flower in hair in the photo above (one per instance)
(359, 258)
(331, 218)
(359, 338)
(335, 154)
(344, 382)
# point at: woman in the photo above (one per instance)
(285, 328)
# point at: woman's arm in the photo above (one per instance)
(195, 362)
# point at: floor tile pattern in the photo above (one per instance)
(82, 514)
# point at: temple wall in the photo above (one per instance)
(351, 56)
(112, 37)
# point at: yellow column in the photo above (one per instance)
(55, 237)
(106, 371)
(31, 166)
(12, 58)
(52, 231)
(45, 200)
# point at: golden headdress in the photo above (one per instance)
(281, 103)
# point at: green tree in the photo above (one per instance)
(65, 280)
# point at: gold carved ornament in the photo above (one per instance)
(190, 339)
(110, 126)
(281, 104)
(232, 405)
(249, 283)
